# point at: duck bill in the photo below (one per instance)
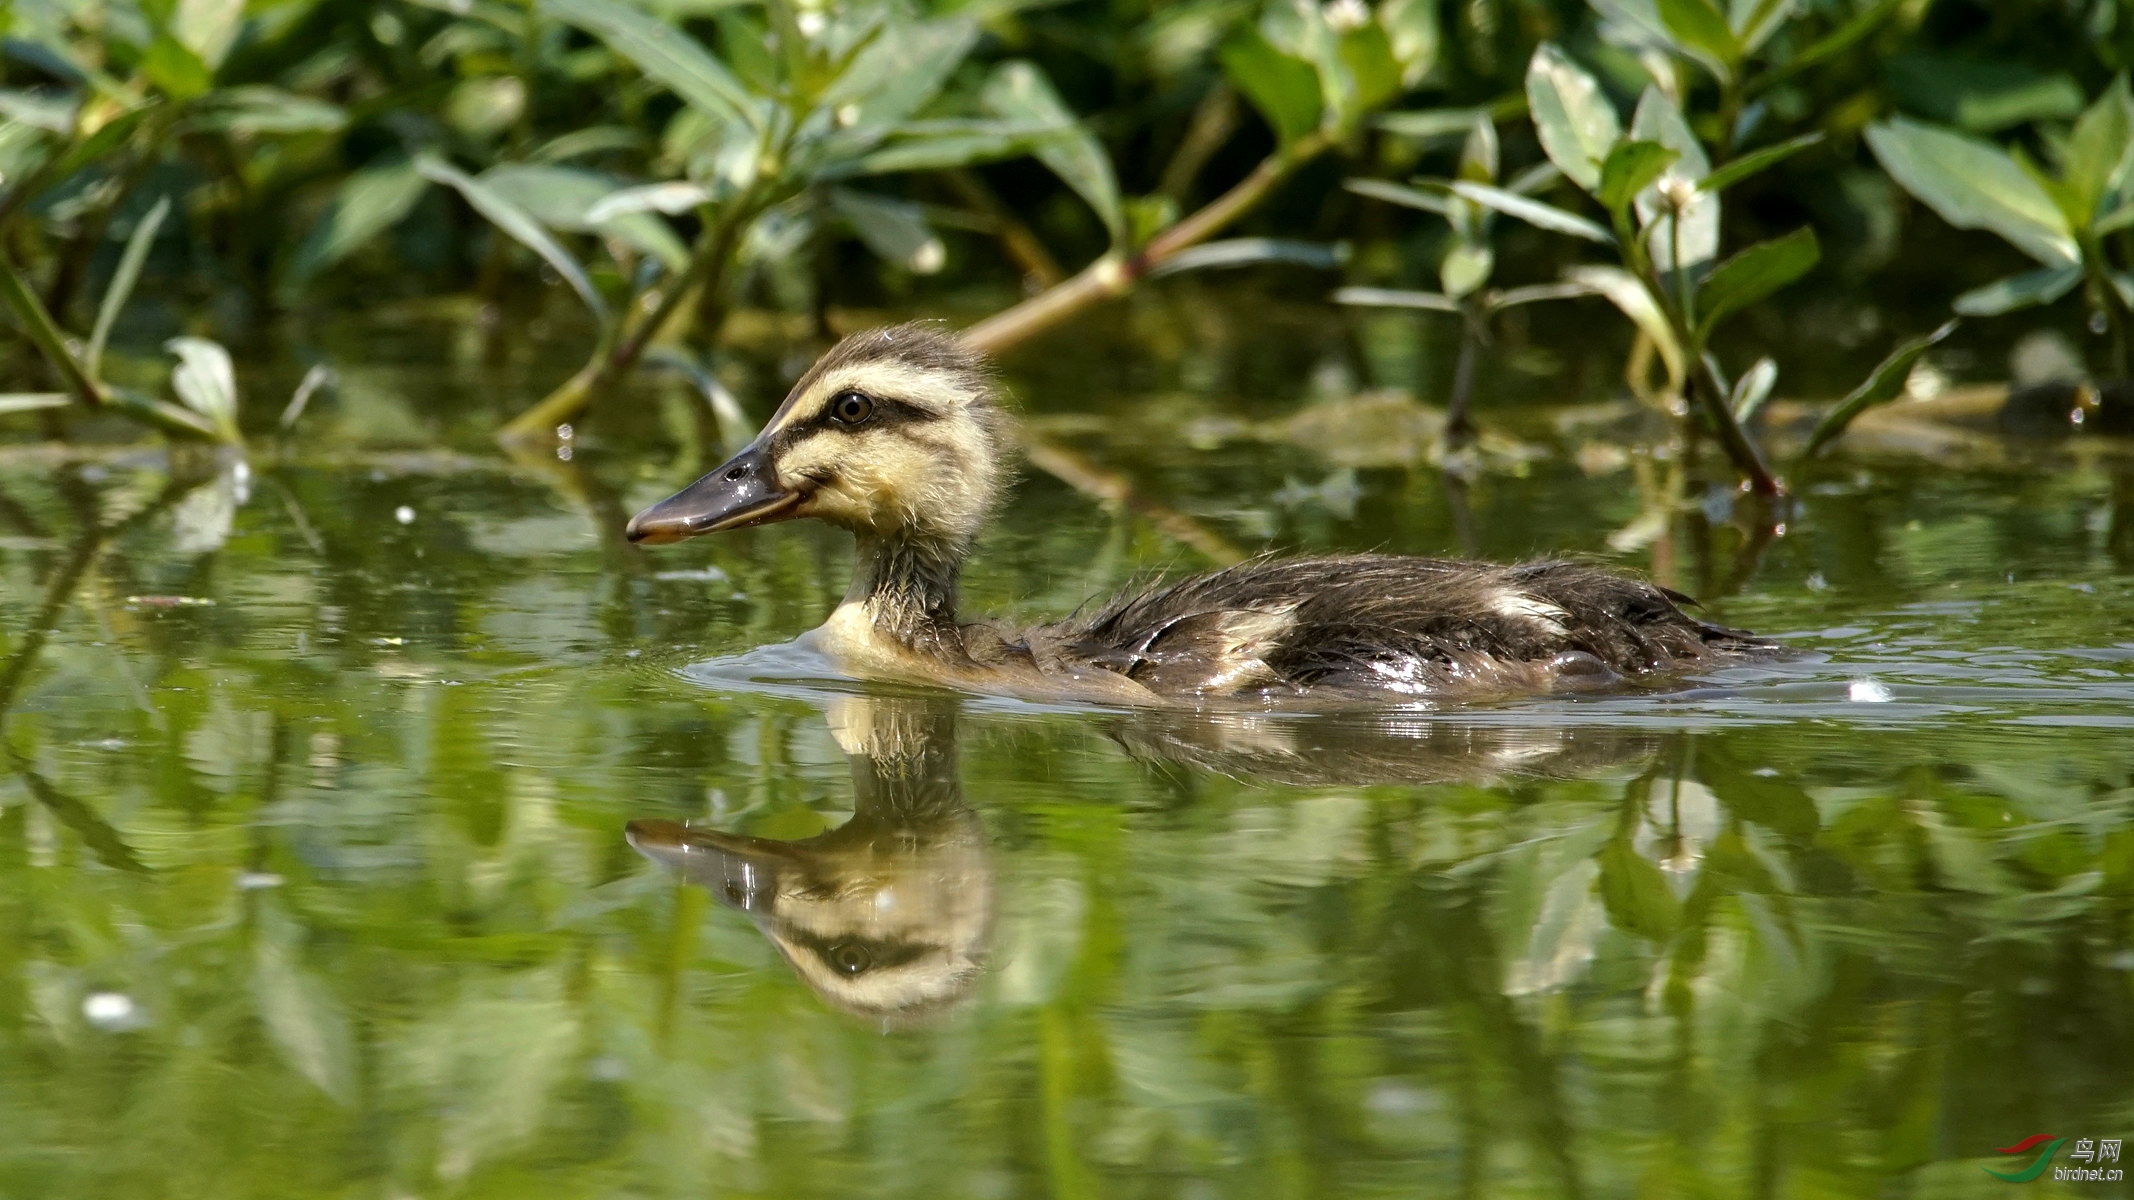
(743, 491)
(742, 872)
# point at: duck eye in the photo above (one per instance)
(850, 958)
(850, 408)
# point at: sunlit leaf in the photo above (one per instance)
(2029, 289)
(175, 69)
(123, 279)
(1394, 193)
(1628, 293)
(901, 70)
(208, 28)
(673, 198)
(1752, 389)
(1659, 119)
(1430, 123)
(1883, 385)
(1412, 30)
(1366, 297)
(2100, 150)
(1974, 185)
(256, 110)
(515, 222)
(1576, 124)
(663, 52)
(1532, 211)
(1019, 92)
(1752, 275)
(22, 402)
(1252, 252)
(1465, 268)
(205, 380)
(566, 198)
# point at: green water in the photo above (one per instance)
(313, 878)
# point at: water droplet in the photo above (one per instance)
(404, 515)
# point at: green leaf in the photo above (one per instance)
(1630, 295)
(1431, 122)
(370, 201)
(896, 75)
(1635, 892)
(1572, 117)
(21, 402)
(208, 28)
(1701, 31)
(1374, 75)
(1631, 168)
(565, 198)
(257, 110)
(1365, 297)
(1658, 119)
(894, 229)
(1836, 42)
(662, 52)
(1020, 92)
(1253, 252)
(176, 70)
(1532, 211)
(1394, 193)
(1752, 275)
(1535, 293)
(206, 383)
(1880, 387)
(674, 197)
(1465, 268)
(1752, 389)
(1412, 31)
(1284, 88)
(2031, 288)
(1981, 95)
(1974, 185)
(1756, 161)
(2100, 150)
(123, 279)
(515, 222)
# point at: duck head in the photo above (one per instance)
(894, 434)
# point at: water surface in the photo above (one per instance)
(313, 876)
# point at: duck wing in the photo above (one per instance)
(1378, 623)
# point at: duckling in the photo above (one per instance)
(897, 435)
(888, 917)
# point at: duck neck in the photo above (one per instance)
(907, 588)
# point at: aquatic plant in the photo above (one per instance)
(2064, 213)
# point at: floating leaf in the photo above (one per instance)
(662, 52)
(2041, 286)
(1020, 92)
(1572, 117)
(123, 279)
(1880, 387)
(1974, 185)
(1532, 211)
(1752, 275)
(515, 222)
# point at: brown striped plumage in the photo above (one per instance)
(895, 435)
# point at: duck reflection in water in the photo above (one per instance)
(890, 917)
(887, 917)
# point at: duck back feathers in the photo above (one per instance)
(1374, 624)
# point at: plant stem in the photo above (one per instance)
(625, 341)
(1459, 427)
(1115, 275)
